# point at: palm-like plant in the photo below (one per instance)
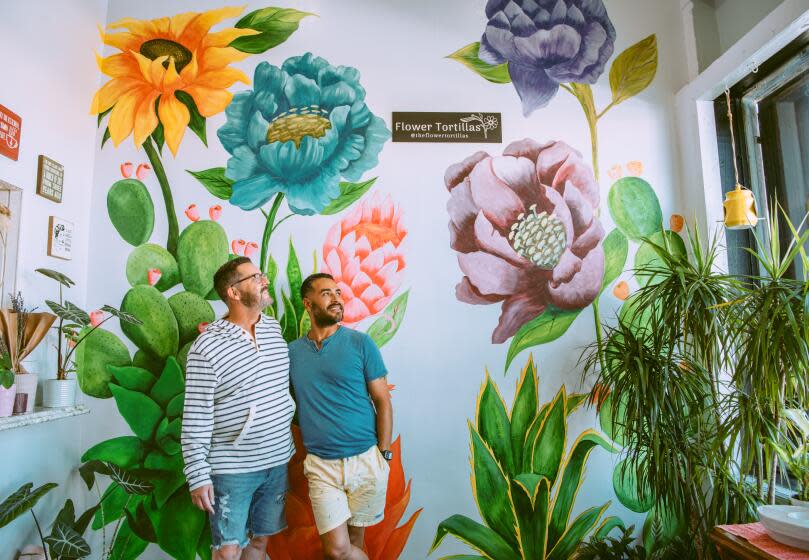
(523, 483)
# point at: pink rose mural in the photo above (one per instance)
(526, 230)
(363, 252)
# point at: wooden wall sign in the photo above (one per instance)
(50, 178)
(60, 238)
(447, 127)
(10, 128)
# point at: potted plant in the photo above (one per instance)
(22, 329)
(74, 326)
(7, 387)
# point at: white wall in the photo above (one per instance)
(438, 358)
(48, 77)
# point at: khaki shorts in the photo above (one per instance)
(351, 489)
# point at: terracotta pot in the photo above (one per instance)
(59, 393)
(7, 400)
(27, 383)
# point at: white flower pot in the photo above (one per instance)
(7, 400)
(27, 383)
(797, 502)
(59, 393)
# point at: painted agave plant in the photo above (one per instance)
(383, 541)
(523, 483)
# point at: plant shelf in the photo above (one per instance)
(40, 416)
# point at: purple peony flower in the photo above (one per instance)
(525, 228)
(546, 43)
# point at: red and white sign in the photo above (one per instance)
(10, 127)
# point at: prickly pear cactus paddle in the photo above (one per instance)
(158, 333)
(190, 310)
(201, 250)
(131, 210)
(100, 349)
(152, 257)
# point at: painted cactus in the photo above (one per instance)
(383, 541)
(131, 210)
(158, 334)
(148, 499)
(149, 257)
(190, 310)
(100, 350)
(523, 483)
(201, 250)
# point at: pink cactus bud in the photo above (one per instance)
(71, 343)
(214, 212)
(96, 317)
(615, 172)
(238, 246)
(126, 169)
(250, 249)
(192, 212)
(635, 168)
(202, 326)
(153, 276)
(141, 171)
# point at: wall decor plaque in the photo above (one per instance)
(447, 127)
(10, 129)
(60, 238)
(50, 179)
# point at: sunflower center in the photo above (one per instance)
(155, 48)
(297, 123)
(540, 238)
(376, 234)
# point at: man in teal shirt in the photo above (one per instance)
(346, 419)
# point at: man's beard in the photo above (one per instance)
(323, 318)
(253, 300)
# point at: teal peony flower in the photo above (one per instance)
(301, 130)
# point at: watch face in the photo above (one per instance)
(387, 455)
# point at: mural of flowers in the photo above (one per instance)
(363, 252)
(546, 44)
(384, 541)
(526, 231)
(303, 127)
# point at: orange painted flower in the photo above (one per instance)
(621, 290)
(676, 223)
(383, 541)
(160, 58)
(363, 252)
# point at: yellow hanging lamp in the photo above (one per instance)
(740, 204)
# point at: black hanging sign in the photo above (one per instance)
(447, 127)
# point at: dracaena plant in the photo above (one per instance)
(523, 482)
(75, 324)
(793, 449)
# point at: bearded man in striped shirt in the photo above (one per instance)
(236, 435)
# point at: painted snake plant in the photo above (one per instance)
(522, 482)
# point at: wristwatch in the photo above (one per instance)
(386, 454)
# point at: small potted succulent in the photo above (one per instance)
(794, 453)
(74, 326)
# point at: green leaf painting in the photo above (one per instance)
(215, 181)
(385, 327)
(635, 208)
(468, 56)
(349, 194)
(275, 25)
(545, 328)
(633, 70)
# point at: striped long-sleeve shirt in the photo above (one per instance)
(238, 407)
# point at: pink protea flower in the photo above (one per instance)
(238, 246)
(526, 230)
(215, 212)
(192, 212)
(142, 170)
(96, 317)
(250, 249)
(364, 254)
(126, 169)
(153, 276)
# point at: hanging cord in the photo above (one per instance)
(732, 137)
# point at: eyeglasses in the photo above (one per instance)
(258, 276)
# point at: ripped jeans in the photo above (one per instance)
(251, 503)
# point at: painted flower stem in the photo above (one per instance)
(268, 230)
(168, 199)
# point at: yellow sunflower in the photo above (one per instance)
(160, 57)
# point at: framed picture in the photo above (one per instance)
(60, 238)
(50, 179)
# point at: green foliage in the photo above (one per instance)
(149, 256)
(201, 250)
(621, 548)
(628, 490)
(544, 328)
(215, 181)
(647, 255)
(383, 329)
(22, 500)
(124, 452)
(63, 279)
(524, 479)
(634, 208)
(197, 121)
(633, 70)
(158, 333)
(6, 373)
(616, 249)
(275, 25)
(65, 542)
(131, 210)
(349, 194)
(99, 349)
(190, 310)
(468, 56)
